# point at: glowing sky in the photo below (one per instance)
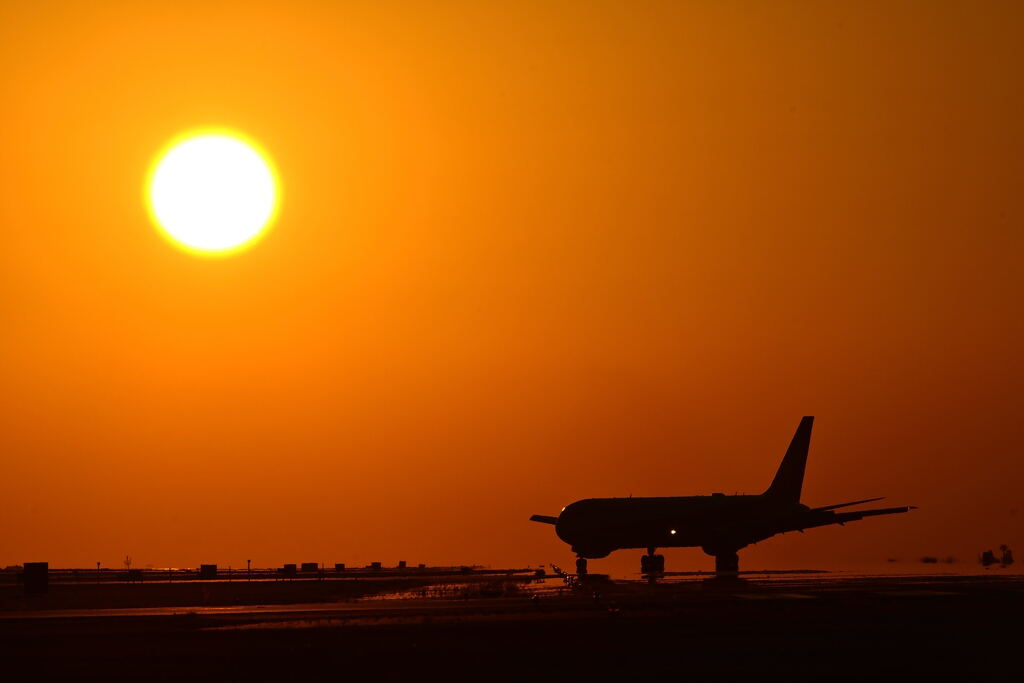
(530, 254)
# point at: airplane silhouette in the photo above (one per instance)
(720, 525)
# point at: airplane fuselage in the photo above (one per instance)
(595, 527)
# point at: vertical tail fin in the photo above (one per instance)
(790, 477)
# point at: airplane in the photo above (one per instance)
(720, 525)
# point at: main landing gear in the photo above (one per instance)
(727, 560)
(651, 563)
(581, 566)
(727, 564)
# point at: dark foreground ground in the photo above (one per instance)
(800, 627)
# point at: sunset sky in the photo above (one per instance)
(526, 253)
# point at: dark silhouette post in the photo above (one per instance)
(36, 577)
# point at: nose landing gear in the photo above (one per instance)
(651, 563)
(581, 566)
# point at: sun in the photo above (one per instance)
(213, 192)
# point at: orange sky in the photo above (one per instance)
(525, 255)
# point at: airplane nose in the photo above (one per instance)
(566, 528)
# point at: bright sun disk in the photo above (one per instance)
(212, 193)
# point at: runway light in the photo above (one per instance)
(673, 532)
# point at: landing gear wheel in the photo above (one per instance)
(650, 564)
(581, 566)
(727, 564)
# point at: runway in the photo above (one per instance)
(783, 626)
(527, 595)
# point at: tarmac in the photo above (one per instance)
(768, 626)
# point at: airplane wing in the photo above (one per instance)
(544, 519)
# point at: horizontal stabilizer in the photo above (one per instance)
(544, 519)
(817, 518)
(845, 505)
(861, 514)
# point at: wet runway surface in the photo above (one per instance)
(795, 626)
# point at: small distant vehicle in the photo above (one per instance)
(720, 525)
(989, 558)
